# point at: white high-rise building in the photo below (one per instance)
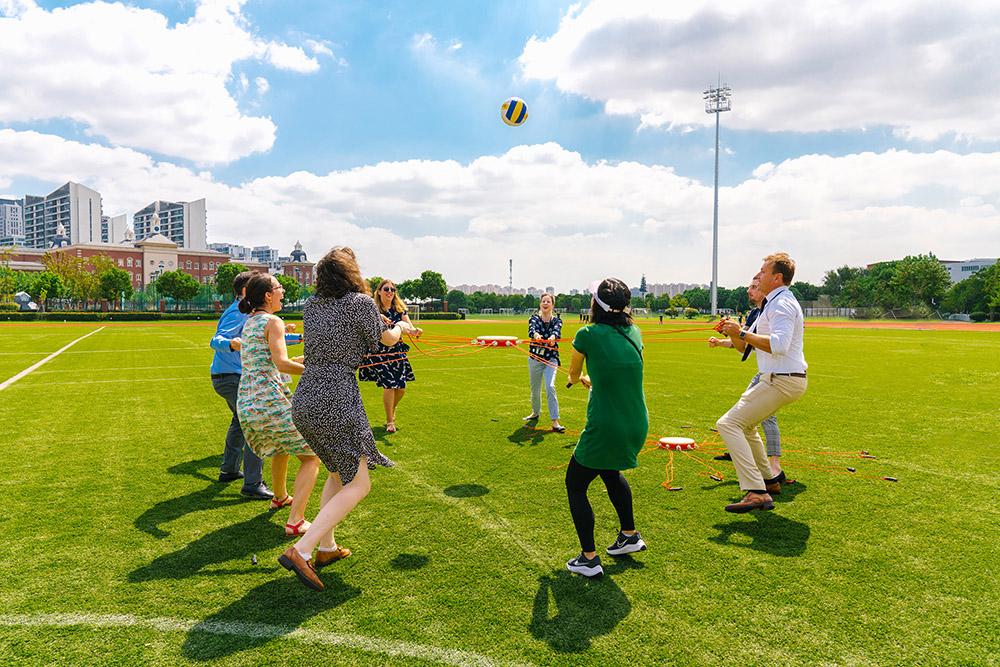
(11, 222)
(267, 255)
(76, 207)
(113, 228)
(959, 270)
(240, 253)
(184, 223)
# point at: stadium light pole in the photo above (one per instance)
(717, 100)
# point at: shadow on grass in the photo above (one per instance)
(409, 561)
(231, 542)
(466, 491)
(270, 611)
(381, 435)
(770, 533)
(529, 435)
(166, 511)
(789, 491)
(584, 608)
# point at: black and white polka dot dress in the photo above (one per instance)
(327, 407)
(393, 370)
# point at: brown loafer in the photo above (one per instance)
(751, 501)
(324, 558)
(773, 485)
(303, 569)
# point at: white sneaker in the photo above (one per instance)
(626, 544)
(530, 418)
(588, 568)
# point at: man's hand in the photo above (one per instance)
(235, 344)
(731, 328)
(290, 327)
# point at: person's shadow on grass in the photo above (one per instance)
(584, 608)
(770, 533)
(234, 541)
(272, 610)
(528, 435)
(166, 511)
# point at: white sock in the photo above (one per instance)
(328, 549)
(304, 556)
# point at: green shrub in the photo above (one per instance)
(441, 316)
(978, 316)
(9, 308)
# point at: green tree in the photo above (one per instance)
(699, 298)
(968, 295)
(642, 284)
(224, 276)
(8, 283)
(76, 274)
(835, 280)
(678, 302)
(408, 289)
(456, 299)
(804, 291)
(178, 286)
(373, 283)
(293, 291)
(113, 284)
(920, 280)
(432, 285)
(48, 282)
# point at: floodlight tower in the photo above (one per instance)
(510, 275)
(716, 101)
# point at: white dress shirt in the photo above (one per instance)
(782, 322)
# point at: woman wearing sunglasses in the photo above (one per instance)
(396, 371)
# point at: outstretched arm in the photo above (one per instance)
(275, 333)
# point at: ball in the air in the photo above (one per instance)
(514, 111)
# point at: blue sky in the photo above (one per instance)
(399, 81)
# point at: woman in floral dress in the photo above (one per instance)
(264, 403)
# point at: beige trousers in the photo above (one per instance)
(738, 427)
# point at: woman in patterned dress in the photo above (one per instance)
(263, 404)
(545, 325)
(341, 326)
(393, 370)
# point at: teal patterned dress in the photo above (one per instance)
(264, 403)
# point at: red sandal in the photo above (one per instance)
(296, 529)
(278, 504)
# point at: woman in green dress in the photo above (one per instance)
(264, 402)
(617, 421)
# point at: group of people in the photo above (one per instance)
(324, 421)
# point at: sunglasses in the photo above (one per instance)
(388, 290)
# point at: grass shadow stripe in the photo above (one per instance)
(381, 646)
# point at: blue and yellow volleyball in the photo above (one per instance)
(514, 111)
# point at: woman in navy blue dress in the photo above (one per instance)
(393, 375)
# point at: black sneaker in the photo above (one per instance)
(259, 492)
(627, 544)
(588, 568)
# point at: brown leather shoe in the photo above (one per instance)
(751, 501)
(303, 569)
(324, 558)
(773, 485)
(773, 489)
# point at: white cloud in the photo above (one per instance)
(262, 85)
(562, 219)
(926, 69)
(423, 40)
(126, 75)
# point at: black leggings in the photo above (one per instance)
(578, 479)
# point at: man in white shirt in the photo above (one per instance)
(777, 337)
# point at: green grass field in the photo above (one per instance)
(119, 547)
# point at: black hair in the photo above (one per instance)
(616, 294)
(240, 281)
(258, 287)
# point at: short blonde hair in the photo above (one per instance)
(781, 263)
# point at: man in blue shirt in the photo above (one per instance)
(226, 372)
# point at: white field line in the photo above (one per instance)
(119, 350)
(387, 647)
(119, 369)
(193, 378)
(7, 383)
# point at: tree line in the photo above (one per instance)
(916, 283)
